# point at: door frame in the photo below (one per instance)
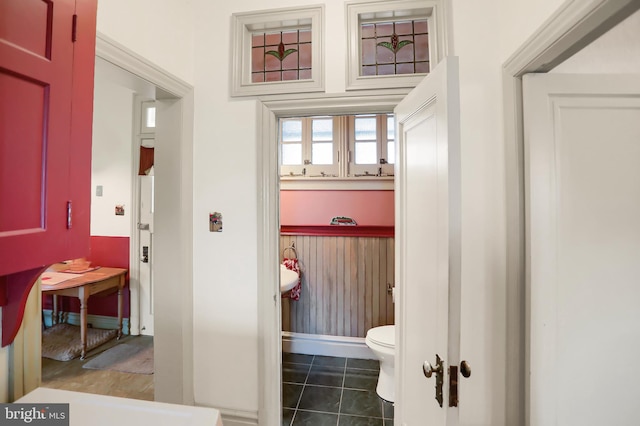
(269, 110)
(572, 27)
(175, 383)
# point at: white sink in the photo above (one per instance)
(288, 279)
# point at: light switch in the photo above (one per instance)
(99, 191)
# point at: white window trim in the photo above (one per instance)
(242, 26)
(392, 10)
(373, 183)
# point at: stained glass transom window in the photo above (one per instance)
(389, 48)
(281, 56)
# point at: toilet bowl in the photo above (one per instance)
(382, 341)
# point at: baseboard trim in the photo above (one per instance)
(320, 344)
(96, 321)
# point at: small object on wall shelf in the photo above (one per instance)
(120, 210)
(215, 222)
(343, 220)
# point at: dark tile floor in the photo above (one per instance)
(321, 390)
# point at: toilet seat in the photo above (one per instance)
(384, 336)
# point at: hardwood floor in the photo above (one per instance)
(70, 375)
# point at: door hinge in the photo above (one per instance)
(74, 28)
(69, 214)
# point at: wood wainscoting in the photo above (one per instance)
(344, 284)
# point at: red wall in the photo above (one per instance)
(105, 251)
(375, 208)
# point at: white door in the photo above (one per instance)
(428, 246)
(582, 159)
(145, 256)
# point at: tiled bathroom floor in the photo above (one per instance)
(321, 391)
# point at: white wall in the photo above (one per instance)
(111, 156)
(519, 19)
(617, 51)
(225, 277)
(160, 31)
(112, 150)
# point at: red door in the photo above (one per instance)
(38, 140)
(47, 53)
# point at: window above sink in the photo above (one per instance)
(337, 152)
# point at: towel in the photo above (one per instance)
(294, 293)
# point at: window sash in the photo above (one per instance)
(381, 141)
(343, 140)
(307, 168)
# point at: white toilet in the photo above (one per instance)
(382, 341)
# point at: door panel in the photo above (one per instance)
(582, 141)
(427, 245)
(35, 106)
(46, 81)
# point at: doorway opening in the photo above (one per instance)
(336, 202)
(172, 217)
(122, 186)
(270, 112)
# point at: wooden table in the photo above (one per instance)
(84, 285)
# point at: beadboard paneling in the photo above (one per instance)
(344, 285)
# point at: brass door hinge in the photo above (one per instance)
(74, 28)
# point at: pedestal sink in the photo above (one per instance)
(288, 279)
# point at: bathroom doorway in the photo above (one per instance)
(336, 203)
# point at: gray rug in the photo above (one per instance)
(131, 357)
(62, 341)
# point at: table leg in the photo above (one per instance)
(120, 300)
(83, 296)
(54, 310)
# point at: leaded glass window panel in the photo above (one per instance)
(281, 56)
(397, 47)
(392, 44)
(277, 51)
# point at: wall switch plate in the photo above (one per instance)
(99, 191)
